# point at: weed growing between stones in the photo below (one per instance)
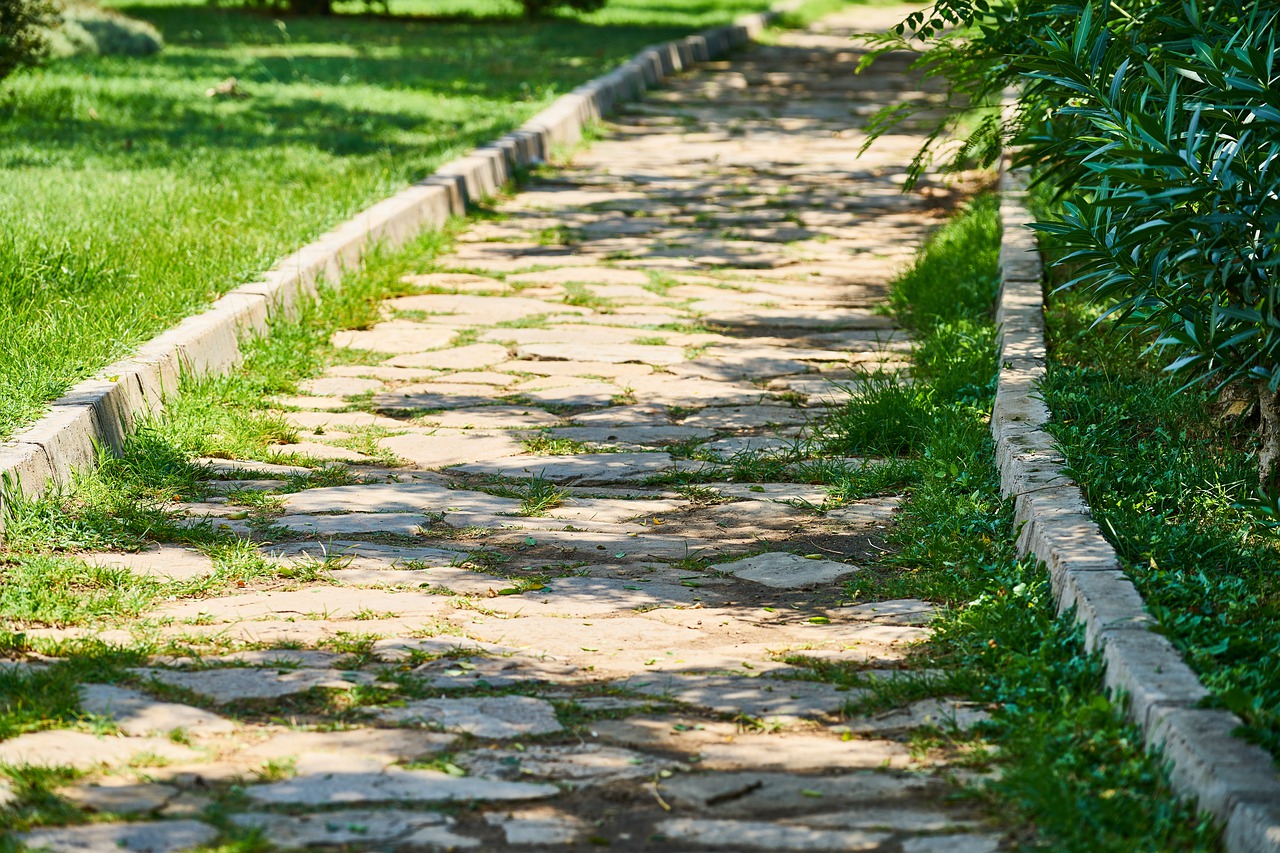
(1067, 761)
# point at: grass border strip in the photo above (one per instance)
(102, 410)
(1230, 778)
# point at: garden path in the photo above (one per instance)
(536, 628)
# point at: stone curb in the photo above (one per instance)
(1233, 780)
(95, 415)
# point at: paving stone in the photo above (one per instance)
(493, 417)
(317, 450)
(343, 827)
(231, 685)
(764, 446)
(168, 562)
(901, 611)
(339, 386)
(801, 493)
(277, 658)
(582, 275)
(385, 371)
(460, 282)
(137, 714)
(366, 555)
(571, 394)
(470, 357)
(396, 523)
(956, 843)
(436, 395)
(85, 751)
(393, 786)
(487, 717)
(944, 714)
(746, 417)
(580, 764)
(901, 818)
(157, 837)
(627, 415)
(879, 511)
(7, 795)
(491, 309)
(394, 337)
(436, 451)
(756, 697)
(750, 794)
(614, 353)
(530, 827)
(492, 672)
(761, 835)
(316, 602)
(386, 746)
(340, 420)
(236, 466)
(781, 570)
(394, 649)
(583, 468)
(121, 797)
(602, 369)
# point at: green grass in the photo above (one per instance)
(1072, 770)
(1165, 476)
(129, 199)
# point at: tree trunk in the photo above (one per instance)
(1269, 426)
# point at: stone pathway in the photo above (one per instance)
(567, 595)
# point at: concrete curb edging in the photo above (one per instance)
(99, 412)
(1233, 780)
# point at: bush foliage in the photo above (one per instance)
(1159, 123)
(101, 32)
(24, 26)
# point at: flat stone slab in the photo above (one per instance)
(121, 798)
(945, 714)
(762, 835)
(168, 562)
(528, 827)
(396, 498)
(781, 570)
(157, 837)
(138, 714)
(756, 697)
(748, 794)
(612, 353)
(488, 717)
(492, 672)
(493, 417)
(633, 435)
(585, 468)
(395, 336)
(437, 451)
(470, 357)
(357, 827)
(747, 417)
(586, 764)
(420, 786)
(85, 751)
(231, 685)
(386, 746)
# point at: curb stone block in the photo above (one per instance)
(1207, 756)
(68, 436)
(1233, 780)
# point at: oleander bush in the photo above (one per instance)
(1158, 123)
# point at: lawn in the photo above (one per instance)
(130, 199)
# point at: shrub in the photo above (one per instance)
(24, 26)
(1157, 122)
(88, 30)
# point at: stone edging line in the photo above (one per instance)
(1230, 778)
(102, 410)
